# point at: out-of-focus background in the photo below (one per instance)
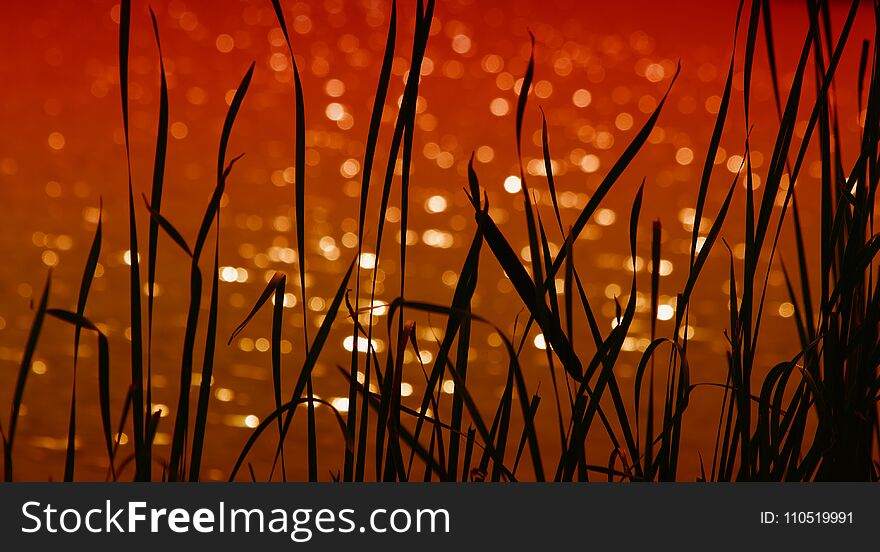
(601, 68)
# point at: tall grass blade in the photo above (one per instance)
(207, 376)
(156, 202)
(142, 454)
(103, 371)
(548, 168)
(402, 136)
(181, 421)
(310, 361)
(614, 173)
(82, 299)
(300, 200)
(274, 288)
(23, 371)
(369, 157)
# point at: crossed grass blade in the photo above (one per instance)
(306, 372)
(489, 438)
(275, 289)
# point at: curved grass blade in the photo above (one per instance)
(548, 168)
(587, 404)
(82, 298)
(614, 173)
(222, 174)
(156, 202)
(714, 143)
(468, 452)
(300, 159)
(274, 288)
(533, 410)
(476, 418)
(286, 408)
(123, 418)
(169, 228)
(375, 402)
(277, 282)
(103, 370)
(207, 366)
(461, 299)
(369, 157)
(23, 371)
(142, 455)
(176, 468)
(703, 255)
(300, 184)
(392, 419)
(313, 353)
(402, 136)
(521, 101)
(528, 292)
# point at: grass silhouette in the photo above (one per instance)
(812, 417)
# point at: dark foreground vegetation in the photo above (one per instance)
(811, 417)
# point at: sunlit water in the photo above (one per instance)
(599, 74)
